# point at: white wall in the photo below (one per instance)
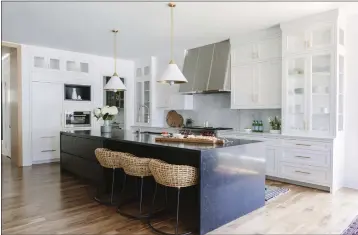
(351, 145)
(99, 67)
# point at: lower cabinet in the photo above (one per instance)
(271, 160)
(305, 161)
(77, 157)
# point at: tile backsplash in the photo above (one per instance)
(215, 108)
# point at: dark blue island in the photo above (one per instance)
(231, 179)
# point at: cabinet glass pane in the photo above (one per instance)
(39, 62)
(71, 66)
(147, 86)
(296, 93)
(321, 91)
(296, 41)
(55, 64)
(321, 36)
(84, 67)
(139, 101)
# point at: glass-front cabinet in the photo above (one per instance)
(318, 36)
(309, 94)
(143, 102)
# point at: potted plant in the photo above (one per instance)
(107, 113)
(275, 124)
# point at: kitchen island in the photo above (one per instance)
(231, 176)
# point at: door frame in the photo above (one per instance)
(17, 159)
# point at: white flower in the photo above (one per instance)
(113, 110)
(97, 112)
(105, 110)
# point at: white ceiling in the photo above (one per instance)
(144, 26)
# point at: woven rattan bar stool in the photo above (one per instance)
(108, 159)
(175, 176)
(136, 167)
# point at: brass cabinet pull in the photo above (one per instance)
(44, 137)
(303, 172)
(302, 157)
(51, 150)
(308, 145)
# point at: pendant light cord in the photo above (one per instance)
(115, 52)
(171, 33)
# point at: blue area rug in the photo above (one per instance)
(352, 228)
(273, 191)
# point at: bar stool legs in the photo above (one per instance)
(177, 213)
(140, 216)
(110, 203)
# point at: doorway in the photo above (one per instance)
(11, 133)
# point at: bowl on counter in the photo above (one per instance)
(248, 130)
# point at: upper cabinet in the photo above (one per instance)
(46, 62)
(257, 51)
(256, 74)
(256, 85)
(313, 76)
(317, 36)
(143, 92)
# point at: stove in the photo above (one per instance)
(200, 130)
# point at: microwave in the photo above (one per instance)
(78, 119)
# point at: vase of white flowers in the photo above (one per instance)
(107, 114)
(275, 124)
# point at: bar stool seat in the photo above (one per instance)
(136, 167)
(175, 176)
(110, 160)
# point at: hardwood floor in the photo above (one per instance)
(41, 200)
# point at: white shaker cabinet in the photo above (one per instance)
(256, 85)
(243, 53)
(242, 86)
(46, 118)
(269, 84)
(256, 51)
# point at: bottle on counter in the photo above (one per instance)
(261, 127)
(254, 126)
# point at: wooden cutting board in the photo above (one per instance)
(189, 140)
(174, 119)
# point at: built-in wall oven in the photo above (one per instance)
(77, 119)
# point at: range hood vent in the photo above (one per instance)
(207, 69)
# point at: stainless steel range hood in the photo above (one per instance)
(207, 69)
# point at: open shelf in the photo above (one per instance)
(81, 91)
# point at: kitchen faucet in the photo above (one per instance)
(138, 113)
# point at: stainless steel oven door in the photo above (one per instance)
(78, 119)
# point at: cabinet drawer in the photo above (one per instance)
(306, 174)
(306, 157)
(81, 167)
(81, 147)
(308, 145)
(45, 147)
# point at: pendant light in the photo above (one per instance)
(172, 75)
(115, 83)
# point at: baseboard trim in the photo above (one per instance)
(315, 186)
(45, 161)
